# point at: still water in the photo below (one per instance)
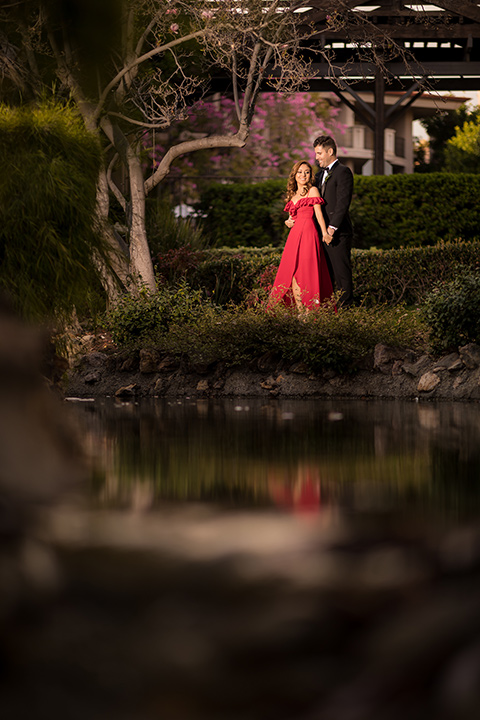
(294, 456)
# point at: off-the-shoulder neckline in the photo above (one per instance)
(307, 197)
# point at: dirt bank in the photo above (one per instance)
(388, 373)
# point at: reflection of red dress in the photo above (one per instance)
(303, 258)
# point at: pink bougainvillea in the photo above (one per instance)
(282, 132)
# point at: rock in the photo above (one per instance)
(202, 386)
(158, 387)
(269, 384)
(91, 378)
(148, 361)
(397, 367)
(127, 391)
(457, 365)
(129, 365)
(167, 364)
(448, 362)
(94, 359)
(299, 367)
(428, 382)
(417, 368)
(385, 355)
(470, 355)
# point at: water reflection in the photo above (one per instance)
(297, 455)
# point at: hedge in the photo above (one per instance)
(404, 275)
(387, 211)
(244, 215)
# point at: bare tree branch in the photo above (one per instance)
(213, 141)
(113, 186)
(138, 61)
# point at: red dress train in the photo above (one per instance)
(303, 258)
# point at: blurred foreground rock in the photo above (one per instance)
(196, 615)
(202, 615)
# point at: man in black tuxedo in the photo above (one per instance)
(335, 183)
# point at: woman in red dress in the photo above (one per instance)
(303, 279)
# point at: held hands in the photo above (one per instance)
(328, 235)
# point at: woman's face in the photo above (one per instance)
(303, 175)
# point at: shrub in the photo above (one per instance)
(452, 312)
(49, 248)
(179, 323)
(408, 274)
(225, 275)
(144, 317)
(241, 214)
(165, 232)
(379, 276)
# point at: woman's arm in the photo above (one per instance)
(320, 218)
(319, 215)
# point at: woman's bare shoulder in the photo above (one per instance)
(313, 192)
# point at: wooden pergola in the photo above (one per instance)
(439, 50)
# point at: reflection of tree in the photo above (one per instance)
(456, 480)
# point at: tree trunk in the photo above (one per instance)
(117, 275)
(140, 258)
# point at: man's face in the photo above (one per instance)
(323, 156)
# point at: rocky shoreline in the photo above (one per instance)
(389, 373)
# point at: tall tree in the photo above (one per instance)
(159, 56)
(440, 128)
(133, 66)
(462, 152)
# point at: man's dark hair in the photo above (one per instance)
(326, 141)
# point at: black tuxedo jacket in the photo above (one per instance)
(337, 194)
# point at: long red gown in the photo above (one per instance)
(303, 258)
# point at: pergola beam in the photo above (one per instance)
(364, 70)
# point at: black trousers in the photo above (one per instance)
(339, 262)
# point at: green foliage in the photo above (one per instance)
(407, 210)
(408, 274)
(226, 275)
(166, 232)
(244, 214)
(390, 277)
(48, 244)
(387, 211)
(452, 311)
(462, 152)
(142, 318)
(235, 335)
(440, 128)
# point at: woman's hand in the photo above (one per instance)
(327, 238)
(290, 222)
